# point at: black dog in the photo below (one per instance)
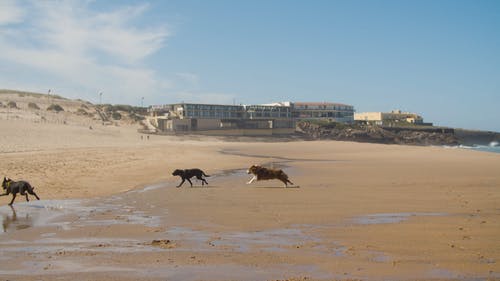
(15, 187)
(189, 173)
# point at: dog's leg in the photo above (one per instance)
(284, 181)
(182, 182)
(34, 194)
(252, 179)
(203, 181)
(190, 182)
(13, 197)
(26, 194)
(200, 177)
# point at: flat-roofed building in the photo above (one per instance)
(334, 112)
(388, 118)
(250, 119)
(268, 111)
(276, 117)
(205, 111)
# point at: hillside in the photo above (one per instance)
(44, 108)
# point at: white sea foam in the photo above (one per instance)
(487, 148)
(492, 147)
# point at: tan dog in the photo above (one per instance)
(261, 173)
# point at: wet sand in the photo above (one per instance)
(110, 211)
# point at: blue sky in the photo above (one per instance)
(437, 58)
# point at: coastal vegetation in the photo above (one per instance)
(33, 105)
(12, 104)
(55, 107)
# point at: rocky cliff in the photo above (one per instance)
(377, 134)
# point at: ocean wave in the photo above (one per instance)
(492, 147)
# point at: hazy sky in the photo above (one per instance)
(437, 58)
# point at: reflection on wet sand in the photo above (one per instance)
(14, 222)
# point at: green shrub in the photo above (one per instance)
(116, 115)
(12, 104)
(33, 105)
(136, 117)
(55, 107)
(82, 111)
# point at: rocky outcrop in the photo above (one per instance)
(473, 137)
(377, 134)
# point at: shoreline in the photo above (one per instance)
(481, 148)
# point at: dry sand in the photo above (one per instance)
(110, 209)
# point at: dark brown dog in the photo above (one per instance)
(15, 187)
(187, 174)
(261, 173)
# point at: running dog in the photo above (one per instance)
(261, 173)
(187, 174)
(15, 187)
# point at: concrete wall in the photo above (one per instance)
(178, 125)
(208, 124)
(368, 116)
(213, 127)
(247, 132)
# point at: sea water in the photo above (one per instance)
(493, 146)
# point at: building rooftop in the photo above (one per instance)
(320, 103)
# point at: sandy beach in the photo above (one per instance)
(110, 209)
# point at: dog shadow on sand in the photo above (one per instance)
(277, 187)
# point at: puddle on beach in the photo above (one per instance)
(35, 213)
(238, 272)
(386, 218)
(78, 213)
(274, 240)
(176, 272)
(446, 274)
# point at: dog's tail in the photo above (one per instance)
(205, 174)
